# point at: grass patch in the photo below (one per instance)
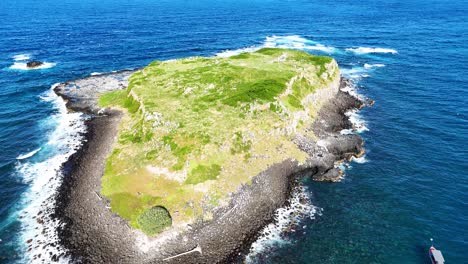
(112, 98)
(240, 145)
(131, 104)
(263, 91)
(154, 220)
(202, 173)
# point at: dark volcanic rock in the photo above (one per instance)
(34, 64)
(82, 95)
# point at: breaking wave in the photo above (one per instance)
(358, 72)
(44, 175)
(359, 160)
(28, 155)
(286, 42)
(229, 53)
(20, 63)
(287, 220)
(23, 67)
(370, 66)
(296, 42)
(359, 124)
(21, 57)
(366, 50)
(355, 72)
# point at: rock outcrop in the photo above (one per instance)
(34, 64)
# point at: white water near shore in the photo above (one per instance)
(286, 42)
(300, 43)
(28, 155)
(44, 176)
(288, 219)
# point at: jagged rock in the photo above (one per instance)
(34, 64)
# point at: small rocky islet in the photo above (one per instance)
(34, 64)
(198, 153)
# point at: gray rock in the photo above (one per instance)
(34, 64)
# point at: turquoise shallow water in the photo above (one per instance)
(411, 57)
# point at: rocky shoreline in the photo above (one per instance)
(91, 233)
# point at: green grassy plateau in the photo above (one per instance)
(195, 129)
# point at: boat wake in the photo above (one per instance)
(44, 175)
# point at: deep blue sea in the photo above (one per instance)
(411, 57)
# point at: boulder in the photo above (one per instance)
(34, 64)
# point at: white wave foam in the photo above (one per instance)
(355, 73)
(359, 160)
(21, 57)
(347, 132)
(287, 219)
(358, 72)
(370, 66)
(39, 229)
(286, 42)
(229, 53)
(366, 50)
(27, 155)
(296, 42)
(96, 73)
(351, 88)
(359, 125)
(23, 67)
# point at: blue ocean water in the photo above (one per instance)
(410, 56)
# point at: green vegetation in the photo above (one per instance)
(197, 128)
(202, 173)
(154, 220)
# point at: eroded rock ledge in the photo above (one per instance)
(93, 234)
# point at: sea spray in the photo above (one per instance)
(28, 155)
(287, 220)
(286, 42)
(39, 229)
(24, 67)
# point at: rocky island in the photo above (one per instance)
(187, 160)
(34, 64)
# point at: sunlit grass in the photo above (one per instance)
(197, 128)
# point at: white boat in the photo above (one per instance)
(436, 255)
